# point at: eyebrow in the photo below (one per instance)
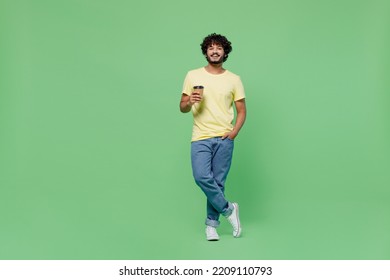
(218, 45)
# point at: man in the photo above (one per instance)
(213, 131)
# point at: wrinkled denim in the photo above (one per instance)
(211, 159)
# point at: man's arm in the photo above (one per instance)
(185, 105)
(187, 101)
(240, 119)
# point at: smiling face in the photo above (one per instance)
(215, 54)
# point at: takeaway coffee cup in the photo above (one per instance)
(198, 90)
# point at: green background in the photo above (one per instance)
(94, 153)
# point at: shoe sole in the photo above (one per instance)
(213, 239)
(238, 219)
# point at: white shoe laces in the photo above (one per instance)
(233, 222)
(211, 230)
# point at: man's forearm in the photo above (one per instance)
(241, 116)
(185, 106)
(240, 120)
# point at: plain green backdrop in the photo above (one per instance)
(94, 153)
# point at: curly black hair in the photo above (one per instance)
(219, 40)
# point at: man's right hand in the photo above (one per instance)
(195, 98)
(187, 101)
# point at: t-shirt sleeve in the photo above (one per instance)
(239, 92)
(187, 85)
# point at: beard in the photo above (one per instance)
(219, 61)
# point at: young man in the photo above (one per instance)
(213, 131)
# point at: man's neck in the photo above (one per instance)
(215, 68)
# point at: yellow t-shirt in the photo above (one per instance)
(214, 115)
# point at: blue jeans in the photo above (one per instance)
(211, 159)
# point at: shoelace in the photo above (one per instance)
(235, 226)
(211, 230)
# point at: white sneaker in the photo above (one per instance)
(234, 220)
(211, 233)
